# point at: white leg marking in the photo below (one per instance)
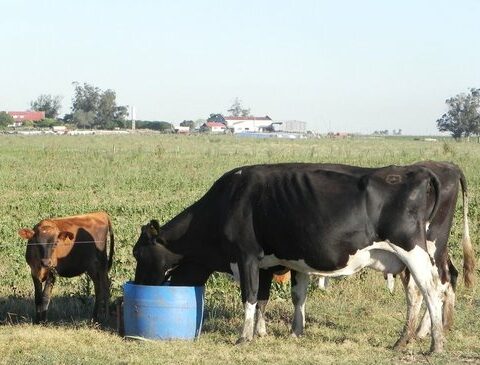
(426, 277)
(447, 313)
(323, 282)
(248, 323)
(260, 326)
(424, 327)
(390, 283)
(414, 304)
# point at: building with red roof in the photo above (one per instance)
(20, 117)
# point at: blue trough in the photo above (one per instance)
(163, 312)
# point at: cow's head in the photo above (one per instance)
(154, 259)
(46, 237)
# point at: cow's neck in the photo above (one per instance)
(183, 233)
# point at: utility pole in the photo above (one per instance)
(132, 114)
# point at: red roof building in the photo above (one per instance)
(213, 127)
(24, 116)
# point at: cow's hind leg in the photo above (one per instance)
(102, 290)
(425, 274)
(414, 304)
(448, 290)
(299, 294)
(265, 282)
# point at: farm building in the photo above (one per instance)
(290, 126)
(20, 117)
(182, 130)
(248, 124)
(213, 127)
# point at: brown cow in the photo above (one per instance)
(69, 247)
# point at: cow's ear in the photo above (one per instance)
(153, 228)
(26, 233)
(65, 234)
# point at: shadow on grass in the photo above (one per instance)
(63, 311)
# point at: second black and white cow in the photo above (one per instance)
(306, 218)
(451, 179)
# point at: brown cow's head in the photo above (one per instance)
(46, 237)
(154, 260)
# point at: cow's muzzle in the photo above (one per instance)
(47, 263)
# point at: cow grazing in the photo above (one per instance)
(69, 247)
(305, 217)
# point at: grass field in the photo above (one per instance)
(139, 177)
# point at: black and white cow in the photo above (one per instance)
(305, 217)
(451, 178)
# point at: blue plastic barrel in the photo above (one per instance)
(162, 312)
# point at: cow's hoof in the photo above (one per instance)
(400, 344)
(436, 349)
(242, 341)
(296, 335)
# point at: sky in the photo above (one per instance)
(354, 66)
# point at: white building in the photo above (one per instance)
(290, 126)
(248, 124)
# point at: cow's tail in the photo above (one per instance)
(436, 186)
(112, 245)
(468, 253)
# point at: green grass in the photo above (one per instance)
(139, 177)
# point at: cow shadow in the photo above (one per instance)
(63, 311)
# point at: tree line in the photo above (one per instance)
(95, 108)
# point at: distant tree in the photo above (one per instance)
(85, 98)
(90, 99)
(218, 118)
(199, 122)
(5, 119)
(463, 116)
(237, 110)
(83, 119)
(154, 125)
(188, 123)
(49, 104)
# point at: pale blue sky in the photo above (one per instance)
(354, 66)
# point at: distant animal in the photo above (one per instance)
(324, 219)
(69, 247)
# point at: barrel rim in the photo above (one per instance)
(131, 283)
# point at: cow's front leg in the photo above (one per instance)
(249, 281)
(299, 294)
(43, 296)
(37, 285)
